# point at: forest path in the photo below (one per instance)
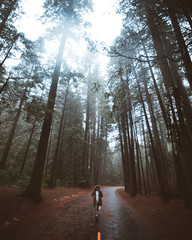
(75, 221)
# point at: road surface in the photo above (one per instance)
(118, 221)
(75, 220)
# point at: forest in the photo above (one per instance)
(59, 113)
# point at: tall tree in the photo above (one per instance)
(69, 10)
(183, 48)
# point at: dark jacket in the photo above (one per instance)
(100, 197)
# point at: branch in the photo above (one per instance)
(6, 82)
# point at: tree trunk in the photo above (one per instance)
(140, 162)
(84, 166)
(33, 191)
(146, 160)
(124, 161)
(105, 162)
(181, 42)
(5, 84)
(157, 141)
(61, 159)
(138, 168)
(7, 54)
(183, 134)
(98, 155)
(49, 149)
(161, 56)
(28, 145)
(11, 135)
(58, 145)
(157, 162)
(164, 112)
(131, 144)
(93, 147)
(143, 172)
(126, 152)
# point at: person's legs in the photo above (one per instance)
(100, 204)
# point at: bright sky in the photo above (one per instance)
(106, 24)
(29, 24)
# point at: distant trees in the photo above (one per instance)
(23, 82)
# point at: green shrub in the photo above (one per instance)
(13, 177)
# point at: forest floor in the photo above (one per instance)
(171, 220)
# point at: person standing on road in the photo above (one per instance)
(94, 194)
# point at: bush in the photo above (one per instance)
(4, 177)
(13, 177)
(23, 180)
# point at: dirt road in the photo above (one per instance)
(75, 221)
